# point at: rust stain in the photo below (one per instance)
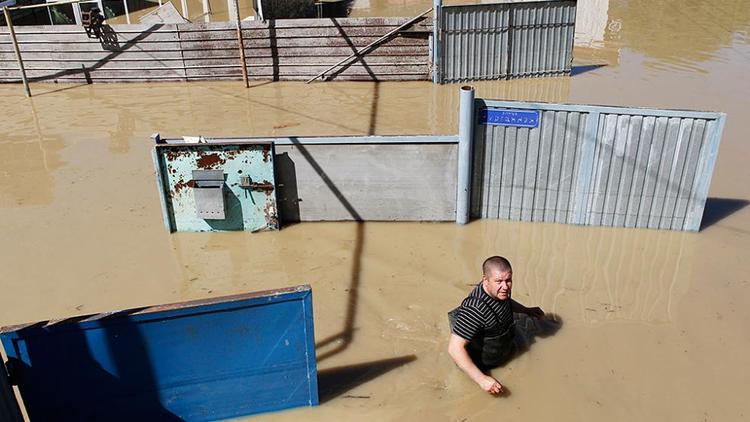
(210, 161)
(179, 186)
(269, 211)
(266, 153)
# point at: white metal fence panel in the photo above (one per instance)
(601, 166)
(505, 40)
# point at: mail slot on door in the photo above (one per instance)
(208, 188)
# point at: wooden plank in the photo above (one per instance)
(354, 42)
(278, 33)
(309, 61)
(107, 73)
(73, 38)
(93, 56)
(385, 50)
(125, 65)
(425, 24)
(310, 70)
(94, 47)
(268, 77)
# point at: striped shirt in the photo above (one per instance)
(480, 315)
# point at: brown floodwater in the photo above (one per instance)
(652, 324)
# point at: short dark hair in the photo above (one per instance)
(496, 263)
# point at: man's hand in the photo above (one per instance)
(535, 312)
(491, 385)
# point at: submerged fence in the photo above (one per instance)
(574, 164)
(474, 42)
(290, 49)
(593, 165)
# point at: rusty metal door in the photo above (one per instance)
(217, 186)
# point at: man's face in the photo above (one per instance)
(498, 284)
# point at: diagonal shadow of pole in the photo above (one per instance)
(360, 59)
(344, 337)
(109, 42)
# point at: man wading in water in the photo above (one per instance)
(482, 328)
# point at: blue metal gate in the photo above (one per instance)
(202, 360)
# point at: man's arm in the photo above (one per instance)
(535, 312)
(457, 350)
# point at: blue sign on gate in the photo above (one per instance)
(505, 117)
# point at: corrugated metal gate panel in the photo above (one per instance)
(474, 39)
(504, 40)
(541, 38)
(602, 166)
(522, 175)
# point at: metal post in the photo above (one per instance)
(12, 33)
(77, 13)
(240, 41)
(465, 140)
(206, 11)
(437, 8)
(127, 12)
(233, 14)
(185, 13)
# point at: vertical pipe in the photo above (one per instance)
(127, 12)
(465, 140)
(241, 42)
(233, 14)
(437, 6)
(12, 32)
(185, 13)
(77, 13)
(206, 11)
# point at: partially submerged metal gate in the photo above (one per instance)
(504, 40)
(216, 186)
(196, 361)
(593, 165)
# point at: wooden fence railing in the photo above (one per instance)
(294, 49)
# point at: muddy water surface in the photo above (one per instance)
(652, 325)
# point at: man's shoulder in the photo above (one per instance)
(473, 302)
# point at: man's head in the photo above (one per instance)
(497, 277)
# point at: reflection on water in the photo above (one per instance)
(27, 161)
(679, 35)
